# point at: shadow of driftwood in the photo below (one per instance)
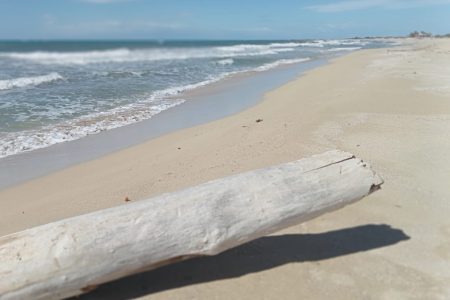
(262, 254)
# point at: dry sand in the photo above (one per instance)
(391, 107)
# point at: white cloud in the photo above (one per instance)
(350, 5)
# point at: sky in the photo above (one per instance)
(219, 19)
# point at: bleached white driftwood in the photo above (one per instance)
(72, 256)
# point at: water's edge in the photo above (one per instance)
(209, 103)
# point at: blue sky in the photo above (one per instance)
(218, 19)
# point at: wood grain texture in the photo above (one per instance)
(72, 256)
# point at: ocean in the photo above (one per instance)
(57, 91)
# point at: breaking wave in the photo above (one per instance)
(149, 54)
(280, 63)
(158, 101)
(28, 81)
(225, 62)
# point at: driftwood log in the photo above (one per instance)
(73, 256)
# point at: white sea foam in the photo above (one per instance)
(18, 142)
(225, 62)
(119, 73)
(158, 101)
(283, 45)
(323, 43)
(28, 81)
(280, 63)
(343, 49)
(254, 49)
(149, 54)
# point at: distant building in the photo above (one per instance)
(420, 34)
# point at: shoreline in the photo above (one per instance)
(204, 104)
(145, 106)
(391, 108)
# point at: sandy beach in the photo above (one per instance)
(390, 107)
